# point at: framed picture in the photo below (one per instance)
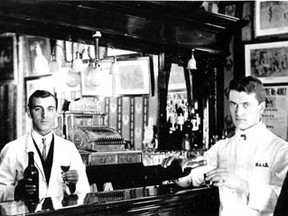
(267, 61)
(133, 77)
(8, 56)
(275, 115)
(271, 17)
(39, 55)
(38, 82)
(97, 82)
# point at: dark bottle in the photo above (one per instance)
(196, 136)
(31, 172)
(187, 130)
(31, 206)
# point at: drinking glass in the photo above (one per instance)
(65, 166)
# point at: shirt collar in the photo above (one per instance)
(38, 137)
(251, 132)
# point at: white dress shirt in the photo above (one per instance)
(38, 140)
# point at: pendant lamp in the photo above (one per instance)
(95, 76)
(192, 62)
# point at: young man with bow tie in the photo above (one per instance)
(49, 152)
(249, 168)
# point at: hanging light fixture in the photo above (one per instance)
(78, 65)
(192, 62)
(90, 63)
(53, 65)
(114, 66)
(95, 76)
(73, 75)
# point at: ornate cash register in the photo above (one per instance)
(98, 144)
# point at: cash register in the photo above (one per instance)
(83, 123)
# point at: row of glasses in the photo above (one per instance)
(154, 157)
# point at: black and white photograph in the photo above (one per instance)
(144, 108)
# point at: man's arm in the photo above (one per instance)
(281, 206)
(8, 175)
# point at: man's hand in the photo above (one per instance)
(221, 177)
(71, 176)
(23, 188)
(168, 161)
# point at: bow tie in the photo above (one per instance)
(243, 136)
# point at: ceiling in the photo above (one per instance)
(146, 26)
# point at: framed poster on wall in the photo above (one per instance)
(8, 57)
(133, 77)
(275, 115)
(39, 54)
(271, 17)
(267, 61)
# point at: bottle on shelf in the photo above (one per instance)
(186, 144)
(196, 139)
(31, 172)
(180, 116)
(187, 130)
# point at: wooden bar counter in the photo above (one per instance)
(149, 200)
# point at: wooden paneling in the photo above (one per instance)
(141, 25)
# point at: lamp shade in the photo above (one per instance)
(54, 66)
(73, 78)
(96, 76)
(78, 63)
(191, 65)
(114, 67)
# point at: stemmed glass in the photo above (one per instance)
(65, 166)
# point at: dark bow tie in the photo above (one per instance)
(243, 136)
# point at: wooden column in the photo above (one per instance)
(163, 79)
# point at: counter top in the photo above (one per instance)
(150, 200)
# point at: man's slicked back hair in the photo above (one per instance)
(249, 85)
(41, 94)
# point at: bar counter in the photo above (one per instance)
(149, 200)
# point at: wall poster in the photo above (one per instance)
(267, 61)
(7, 57)
(271, 17)
(275, 115)
(133, 77)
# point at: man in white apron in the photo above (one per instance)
(249, 168)
(50, 152)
